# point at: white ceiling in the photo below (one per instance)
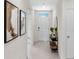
(40, 3)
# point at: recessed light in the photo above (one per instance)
(43, 3)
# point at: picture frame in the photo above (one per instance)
(10, 21)
(22, 22)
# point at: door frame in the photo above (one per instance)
(51, 11)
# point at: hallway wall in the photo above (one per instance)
(17, 48)
(30, 32)
(61, 41)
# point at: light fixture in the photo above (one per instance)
(43, 7)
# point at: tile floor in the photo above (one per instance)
(41, 50)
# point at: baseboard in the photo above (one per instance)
(69, 58)
(39, 41)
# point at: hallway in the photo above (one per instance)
(41, 50)
(37, 27)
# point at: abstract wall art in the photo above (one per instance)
(22, 22)
(11, 22)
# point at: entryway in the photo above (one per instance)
(43, 22)
(41, 47)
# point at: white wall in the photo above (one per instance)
(30, 32)
(61, 34)
(17, 48)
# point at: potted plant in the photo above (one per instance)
(53, 33)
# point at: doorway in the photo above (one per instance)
(43, 22)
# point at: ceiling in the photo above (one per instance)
(46, 3)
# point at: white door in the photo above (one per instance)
(69, 23)
(42, 25)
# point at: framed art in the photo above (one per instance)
(22, 22)
(10, 22)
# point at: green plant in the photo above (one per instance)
(51, 29)
(56, 29)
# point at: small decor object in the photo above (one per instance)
(53, 39)
(53, 34)
(11, 22)
(22, 22)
